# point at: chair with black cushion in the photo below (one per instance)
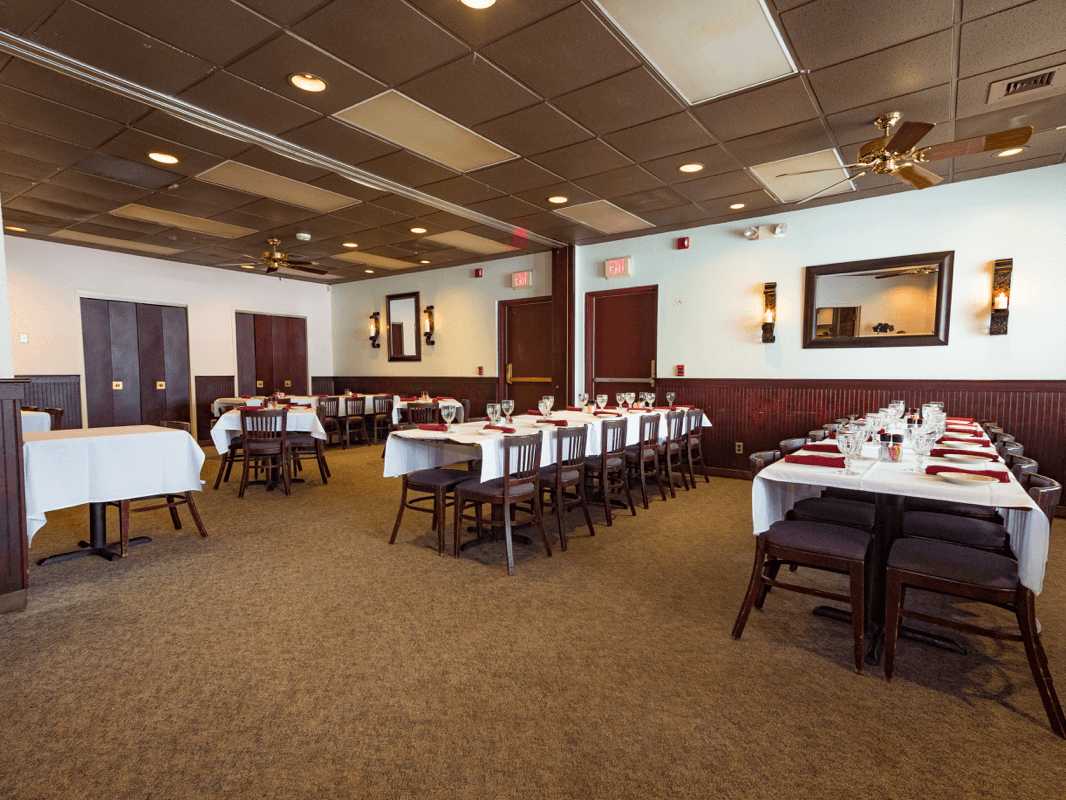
(832, 548)
(973, 510)
(568, 472)
(644, 455)
(169, 502)
(1046, 492)
(303, 445)
(382, 417)
(608, 468)
(817, 436)
(57, 417)
(964, 531)
(831, 427)
(672, 451)
(764, 458)
(1009, 449)
(1021, 466)
(973, 575)
(520, 484)
(851, 508)
(235, 451)
(329, 415)
(787, 446)
(264, 433)
(435, 486)
(694, 444)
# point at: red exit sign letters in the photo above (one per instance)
(522, 280)
(618, 267)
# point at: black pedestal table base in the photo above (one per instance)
(97, 544)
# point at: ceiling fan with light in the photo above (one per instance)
(896, 154)
(275, 260)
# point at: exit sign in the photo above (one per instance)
(522, 280)
(618, 267)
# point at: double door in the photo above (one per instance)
(271, 354)
(136, 362)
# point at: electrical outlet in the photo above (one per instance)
(738, 447)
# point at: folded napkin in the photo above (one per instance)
(665, 408)
(937, 452)
(425, 427)
(969, 439)
(408, 399)
(533, 413)
(959, 419)
(320, 396)
(833, 434)
(1000, 475)
(438, 399)
(965, 429)
(817, 461)
(610, 408)
(574, 408)
(605, 414)
(498, 428)
(299, 405)
(560, 422)
(822, 448)
(246, 397)
(249, 408)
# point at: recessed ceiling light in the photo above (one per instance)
(247, 266)
(1013, 151)
(418, 230)
(13, 228)
(694, 167)
(737, 206)
(307, 82)
(350, 244)
(558, 199)
(423, 261)
(369, 271)
(477, 3)
(163, 158)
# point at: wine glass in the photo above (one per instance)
(670, 398)
(601, 400)
(542, 404)
(583, 399)
(619, 398)
(630, 397)
(549, 401)
(493, 410)
(850, 442)
(448, 413)
(507, 407)
(922, 441)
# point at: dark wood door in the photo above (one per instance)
(271, 354)
(526, 354)
(621, 327)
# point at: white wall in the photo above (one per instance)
(464, 310)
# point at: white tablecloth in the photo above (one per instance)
(777, 488)
(397, 404)
(299, 420)
(258, 400)
(36, 421)
(96, 465)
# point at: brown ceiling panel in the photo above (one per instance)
(539, 197)
(574, 233)
(618, 182)
(894, 72)
(46, 208)
(322, 228)
(183, 240)
(26, 143)
(247, 103)
(644, 202)
(384, 38)
(68, 91)
(795, 140)
(753, 201)
(829, 32)
(341, 185)
(11, 186)
(137, 226)
(370, 214)
(96, 229)
(283, 11)
(761, 109)
(450, 221)
(515, 176)
(504, 208)
(245, 220)
(22, 17)
(564, 52)
(540, 221)
(135, 145)
(714, 159)
(179, 205)
(211, 194)
(375, 237)
(282, 212)
(620, 102)
(409, 169)
(662, 137)
(271, 65)
(582, 159)
(404, 205)
(23, 167)
(785, 5)
(972, 9)
(715, 186)
(217, 32)
(534, 130)
(279, 165)
(390, 251)
(120, 193)
(1041, 145)
(1018, 34)
(161, 124)
(405, 226)
(340, 141)
(461, 190)
(1046, 114)
(470, 91)
(84, 34)
(929, 105)
(479, 28)
(972, 93)
(37, 224)
(681, 215)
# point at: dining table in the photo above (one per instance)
(399, 402)
(256, 401)
(299, 420)
(780, 485)
(36, 421)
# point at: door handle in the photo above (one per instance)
(509, 374)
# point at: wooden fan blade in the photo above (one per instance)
(290, 262)
(908, 135)
(917, 177)
(827, 188)
(1015, 137)
(271, 269)
(239, 264)
(296, 266)
(821, 169)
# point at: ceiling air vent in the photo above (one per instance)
(1035, 84)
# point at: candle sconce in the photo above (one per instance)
(427, 323)
(769, 315)
(375, 330)
(1000, 296)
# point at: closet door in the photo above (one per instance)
(246, 354)
(96, 344)
(271, 354)
(125, 363)
(176, 363)
(264, 354)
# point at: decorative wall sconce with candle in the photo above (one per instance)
(375, 330)
(427, 324)
(769, 314)
(1000, 296)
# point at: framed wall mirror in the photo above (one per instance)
(401, 315)
(883, 302)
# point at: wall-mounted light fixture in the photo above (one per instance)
(427, 324)
(375, 329)
(769, 312)
(1000, 296)
(775, 231)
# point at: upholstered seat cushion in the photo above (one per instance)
(850, 494)
(818, 537)
(839, 512)
(959, 530)
(430, 479)
(547, 475)
(595, 464)
(487, 490)
(633, 452)
(948, 507)
(954, 562)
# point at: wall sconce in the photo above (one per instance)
(427, 324)
(1000, 296)
(769, 313)
(375, 330)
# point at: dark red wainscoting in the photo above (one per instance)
(478, 391)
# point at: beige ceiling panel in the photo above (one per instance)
(411, 125)
(374, 261)
(468, 241)
(790, 188)
(172, 219)
(266, 184)
(121, 244)
(604, 217)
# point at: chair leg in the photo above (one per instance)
(507, 538)
(124, 527)
(320, 457)
(439, 504)
(643, 484)
(770, 572)
(691, 468)
(459, 503)
(560, 508)
(893, 582)
(669, 475)
(195, 514)
(699, 447)
(1038, 661)
(222, 469)
(286, 472)
(399, 517)
(540, 521)
(173, 512)
(629, 494)
(605, 486)
(754, 586)
(580, 489)
(858, 609)
(244, 475)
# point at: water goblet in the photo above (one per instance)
(448, 414)
(619, 398)
(670, 398)
(550, 401)
(507, 407)
(583, 399)
(493, 411)
(850, 442)
(922, 441)
(630, 397)
(601, 400)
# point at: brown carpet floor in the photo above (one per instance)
(295, 654)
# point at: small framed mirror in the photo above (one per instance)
(903, 301)
(401, 315)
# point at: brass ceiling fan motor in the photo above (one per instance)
(275, 260)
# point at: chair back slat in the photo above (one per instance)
(57, 417)
(356, 406)
(383, 405)
(1022, 467)
(329, 406)
(572, 445)
(521, 460)
(1046, 492)
(694, 418)
(614, 439)
(421, 413)
(649, 435)
(264, 425)
(675, 426)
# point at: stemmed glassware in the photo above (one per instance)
(493, 411)
(548, 401)
(670, 398)
(583, 400)
(619, 398)
(630, 397)
(448, 413)
(850, 441)
(601, 400)
(922, 440)
(507, 407)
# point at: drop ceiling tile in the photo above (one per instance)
(46, 208)
(71, 92)
(180, 240)
(340, 141)
(135, 145)
(575, 234)
(114, 244)
(179, 205)
(620, 102)
(11, 186)
(1040, 145)
(715, 186)
(370, 214)
(408, 169)
(23, 167)
(37, 224)
(450, 221)
(390, 251)
(470, 91)
(661, 137)
(534, 130)
(563, 52)
(753, 201)
(217, 31)
(643, 202)
(461, 190)
(71, 197)
(404, 205)
(39, 147)
(1018, 34)
(244, 102)
(715, 160)
(972, 9)
(582, 159)
(763, 108)
(79, 32)
(96, 229)
(618, 182)
(322, 228)
(681, 215)
(1002, 169)
(390, 41)
(254, 221)
(163, 125)
(376, 237)
(515, 176)
(972, 93)
(211, 194)
(22, 17)
(894, 72)
(135, 226)
(341, 185)
(929, 105)
(479, 28)
(283, 11)
(539, 197)
(795, 140)
(404, 228)
(282, 212)
(279, 165)
(271, 64)
(829, 32)
(504, 207)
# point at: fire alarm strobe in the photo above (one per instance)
(681, 370)
(682, 243)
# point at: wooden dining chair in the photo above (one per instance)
(354, 418)
(642, 458)
(1046, 492)
(1021, 466)
(264, 431)
(609, 467)
(568, 472)
(302, 445)
(29, 408)
(818, 435)
(435, 487)
(672, 451)
(787, 446)
(57, 417)
(1005, 448)
(381, 418)
(520, 483)
(328, 410)
(420, 414)
(694, 444)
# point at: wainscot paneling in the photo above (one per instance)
(14, 549)
(55, 391)
(208, 389)
(478, 391)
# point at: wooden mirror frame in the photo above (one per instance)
(939, 337)
(389, 299)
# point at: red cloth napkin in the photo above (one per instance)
(959, 419)
(965, 429)
(574, 408)
(319, 396)
(665, 408)
(246, 397)
(299, 405)
(248, 408)
(534, 413)
(605, 414)
(942, 451)
(818, 461)
(408, 399)
(560, 422)
(610, 408)
(822, 448)
(970, 439)
(438, 399)
(425, 427)
(1001, 476)
(498, 428)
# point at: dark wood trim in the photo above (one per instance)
(417, 355)
(14, 548)
(208, 389)
(563, 318)
(501, 337)
(55, 391)
(590, 327)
